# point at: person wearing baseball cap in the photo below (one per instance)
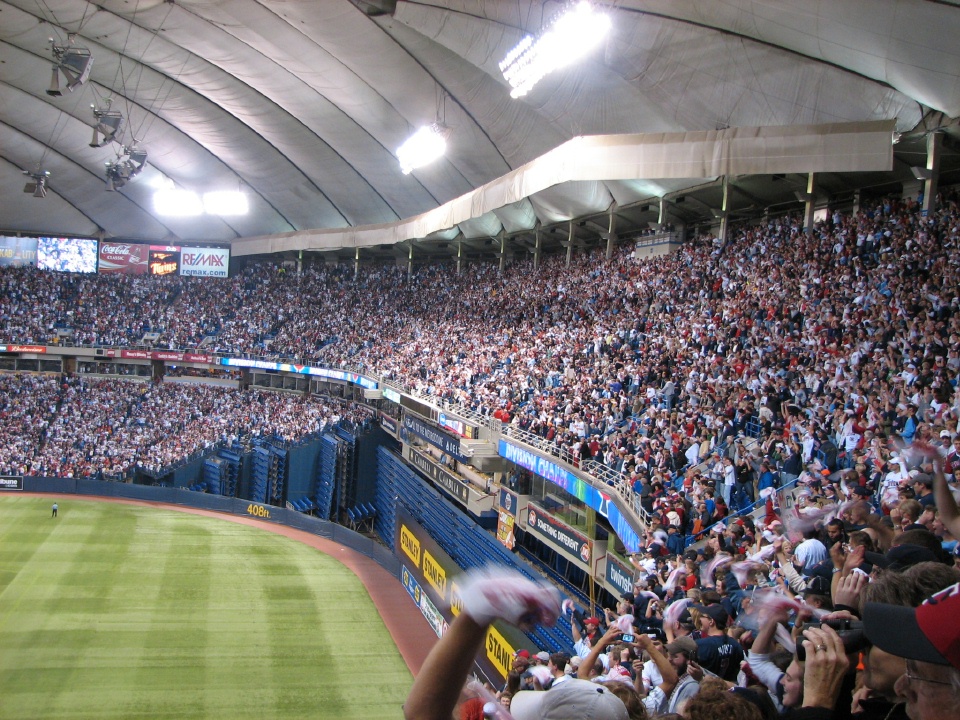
(571, 700)
(716, 651)
(585, 634)
(673, 663)
(928, 638)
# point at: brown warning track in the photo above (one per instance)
(409, 629)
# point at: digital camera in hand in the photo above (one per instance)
(850, 632)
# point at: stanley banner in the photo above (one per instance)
(430, 576)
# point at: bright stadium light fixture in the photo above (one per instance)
(423, 147)
(225, 202)
(177, 203)
(572, 35)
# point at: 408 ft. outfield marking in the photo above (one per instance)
(258, 511)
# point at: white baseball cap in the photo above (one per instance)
(570, 700)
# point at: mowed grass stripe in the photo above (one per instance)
(121, 611)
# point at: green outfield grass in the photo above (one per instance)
(120, 611)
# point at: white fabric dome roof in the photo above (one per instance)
(302, 104)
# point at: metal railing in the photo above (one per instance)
(596, 473)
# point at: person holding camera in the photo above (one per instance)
(679, 670)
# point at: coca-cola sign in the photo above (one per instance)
(117, 257)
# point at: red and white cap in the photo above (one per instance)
(929, 633)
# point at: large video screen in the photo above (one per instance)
(18, 251)
(67, 254)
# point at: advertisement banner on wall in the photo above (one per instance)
(439, 439)
(558, 534)
(430, 573)
(37, 349)
(618, 575)
(11, 482)
(18, 251)
(507, 503)
(389, 424)
(430, 612)
(165, 355)
(600, 501)
(204, 262)
(125, 258)
(445, 479)
(460, 427)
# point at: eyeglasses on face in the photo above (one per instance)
(910, 676)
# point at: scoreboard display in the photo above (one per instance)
(164, 260)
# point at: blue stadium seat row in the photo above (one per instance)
(461, 538)
(361, 513)
(304, 504)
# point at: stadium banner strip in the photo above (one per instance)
(204, 262)
(446, 480)
(36, 349)
(618, 575)
(328, 373)
(576, 486)
(170, 355)
(560, 535)
(388, 423)
(11, 482)
(122, 258)
(430, 612)
(459, 427)
(505, 529)
(436, 437)
(17, 251)
(508, 502)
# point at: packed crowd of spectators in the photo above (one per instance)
(820, 347)
(81, 427)
(846, 612)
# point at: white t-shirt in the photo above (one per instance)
(650, 675)
(809, 553)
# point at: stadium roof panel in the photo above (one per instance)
(302, 105)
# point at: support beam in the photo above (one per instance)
(725, 209)
(662, 215)
(612, 230)
(569, 242)
(536, 245)
(410, 262)
(356, 263)
(460, 255)
(808, 206)
(857, 199)
(502, 237)
(299, 262)
(934, 145)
